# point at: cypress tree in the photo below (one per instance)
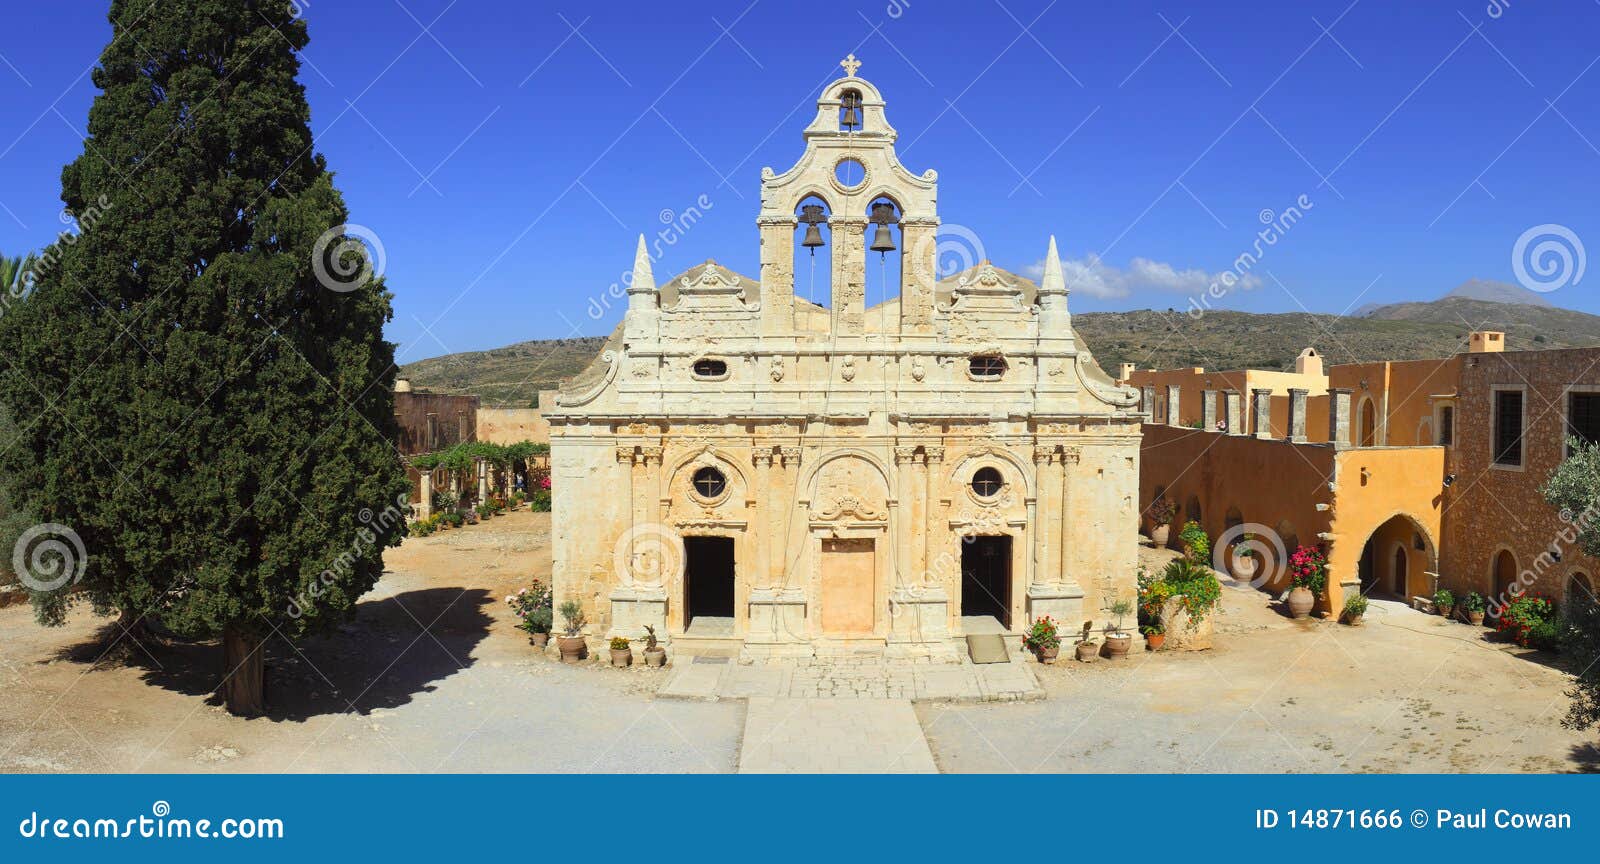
(192, 399)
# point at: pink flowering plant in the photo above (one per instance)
(1308, 568)
(532, 606)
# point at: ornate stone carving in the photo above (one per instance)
(847, 369)
(850, 504)
(1043, 454)
(777, 368)
(935, 453)
(650, 454)
(625, 454)
(903, 454)
(789, 455)
(917, 370)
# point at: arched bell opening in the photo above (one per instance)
(851, 115)
(885, 244)
(813, 252)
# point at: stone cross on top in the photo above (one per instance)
(850, 64)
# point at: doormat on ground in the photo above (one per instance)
(987, 648)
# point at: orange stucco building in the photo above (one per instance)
(1395, 468)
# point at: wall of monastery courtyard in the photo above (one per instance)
(1496, 509)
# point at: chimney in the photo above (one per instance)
(1297, 414)
(1339, 416)
(1263, 411)
(1486, 342)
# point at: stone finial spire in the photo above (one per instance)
(644, 281)
(1054, 283)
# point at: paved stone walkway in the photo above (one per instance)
(870, 678)
(833, 736)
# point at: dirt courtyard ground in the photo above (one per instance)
(432, 676)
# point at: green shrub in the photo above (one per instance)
(1444, 597)
(1355, 605)
(1530, 620)
(1196, 584)
(1195, 542)
(1473, 602)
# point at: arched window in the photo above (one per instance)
(986, 367)
(1580, 592)
(711, 370)
(883, 238)
(1369, 424)
(813, 254)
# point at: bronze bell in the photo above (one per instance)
(811, 215)
(882, 239)
(852, 111)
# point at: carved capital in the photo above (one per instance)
(1071, 455)
(625, 454)
(650, 454)
(902, 455)
(935, 454)
(790, 455)
(1044, 454)
(762, 457)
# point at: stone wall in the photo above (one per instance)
(512, 425)
(1493, 509)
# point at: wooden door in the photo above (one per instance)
(849, 587)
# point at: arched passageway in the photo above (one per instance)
(1397, 555)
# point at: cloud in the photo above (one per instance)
(1089, 275)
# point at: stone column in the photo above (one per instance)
(1149, 406)
(1208, 410)
(1044, 455)
(1235, 412)
(932, 531)
(1263, 411)
(425, 506)
(483, 480)
(904, 482)
(918, 267)
(849, 274)
(1173, 414)
(1339, 416)
(777, 274)
(919, 541)
(1297, 414)
(790, 457)
(653, 485)
(1067, 573)
(767, 502)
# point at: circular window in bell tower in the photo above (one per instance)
(849, 174)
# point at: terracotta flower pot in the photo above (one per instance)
(1087, 651)
(655, 657)
(621, 658)
(1118, 645)
(1048, 655)
(1160, 534)
(573, 648)
(1447, 611)
(1245, 567)
(1353, 620)
(1476, 618)
(1154, 641)
(539, 640)
(1301, 602)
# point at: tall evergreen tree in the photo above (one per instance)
(192, 399)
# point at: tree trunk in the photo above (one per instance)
(244, 686)
(125, 639)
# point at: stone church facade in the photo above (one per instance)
(742, 467)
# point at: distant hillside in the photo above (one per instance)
(512, 375)
(506, 377)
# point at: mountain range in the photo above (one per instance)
(513, 375)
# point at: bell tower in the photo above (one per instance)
(849, 165)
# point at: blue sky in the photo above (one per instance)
(507, 154)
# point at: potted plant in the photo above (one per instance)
(1087, 649)
(1043, 639)
(621, 652)
(1445, 601)
(1245, 561)
(1308, 574)
(571, 641)
(1196, 545)
(532, 607)
(654, 654)
(1161, 513)
(1118, 642)
(1473, 604)
(1355, 606)
(1154, 636)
